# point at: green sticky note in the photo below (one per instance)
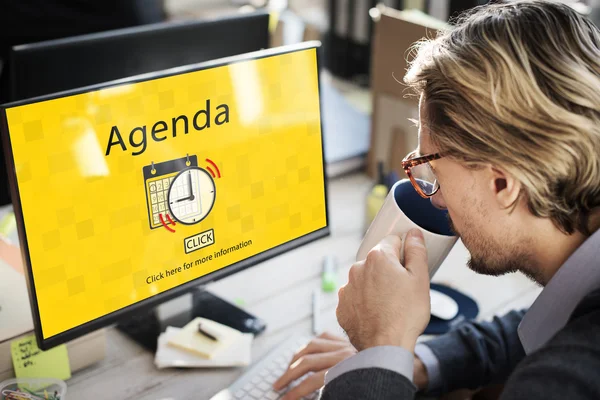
(31, 362)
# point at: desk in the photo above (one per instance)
(284, 301)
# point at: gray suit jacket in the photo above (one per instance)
(477, 354)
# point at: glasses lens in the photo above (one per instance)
(425, 178)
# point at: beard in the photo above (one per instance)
(491, 258)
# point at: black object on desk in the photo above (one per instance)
(145, 327)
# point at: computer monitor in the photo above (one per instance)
(132, 192)
(57, 65)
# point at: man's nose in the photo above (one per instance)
(438, 200)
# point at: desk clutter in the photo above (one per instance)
(33, 389)
(203, 343)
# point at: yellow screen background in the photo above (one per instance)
(85, 213)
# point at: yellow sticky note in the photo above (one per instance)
(189, 339)
(31, 362)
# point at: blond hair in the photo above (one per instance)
(517, 85)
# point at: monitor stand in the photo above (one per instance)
(145, 327)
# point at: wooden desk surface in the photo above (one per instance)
(279, 291)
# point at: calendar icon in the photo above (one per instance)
(157, 180)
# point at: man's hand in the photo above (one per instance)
(322, 353)
(385, 303)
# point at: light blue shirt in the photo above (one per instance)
(550, 312)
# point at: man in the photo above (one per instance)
(510, 109)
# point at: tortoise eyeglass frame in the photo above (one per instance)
(410, 162)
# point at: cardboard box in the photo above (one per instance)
(392, 134)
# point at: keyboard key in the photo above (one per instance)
(239, 394)
(153, 187)
(257, 394)
(248, 387)
(159, 185)
(161, 207)
(271, 379)
(153, 198)
(264, 386)
(155, 219)
(277, 370)
(273, 367)
(154, 208)
(256, 380)
(272, 396)
(161, 197)
(264, 373)
(166, 183)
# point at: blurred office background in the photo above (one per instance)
(358, 91)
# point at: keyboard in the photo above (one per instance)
(257, 382)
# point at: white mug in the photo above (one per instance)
(403, 210)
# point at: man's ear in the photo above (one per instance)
(505, 188)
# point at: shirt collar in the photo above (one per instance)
(550, 312)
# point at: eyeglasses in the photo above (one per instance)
(421, 174)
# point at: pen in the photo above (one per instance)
(316, 308)
(204, 332)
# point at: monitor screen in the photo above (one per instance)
(135, 191)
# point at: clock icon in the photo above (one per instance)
(192, 195)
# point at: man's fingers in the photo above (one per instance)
(302, 366)
(415, 253)
(319, 345)
(309, 385)
(391, 245)
(331, 336)
(308, 363)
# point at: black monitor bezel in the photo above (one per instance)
(22, 51)
(109, 319)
